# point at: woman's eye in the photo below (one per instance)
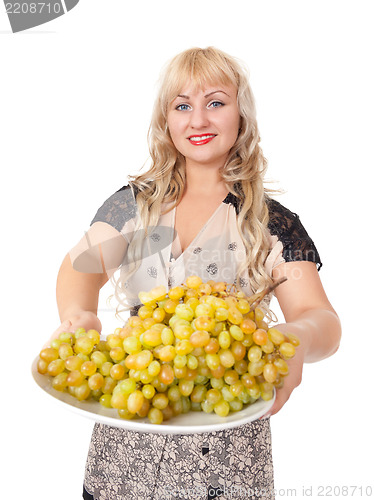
(182, 107)
(216, 104)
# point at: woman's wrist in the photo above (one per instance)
(72, 313)
(319, 333)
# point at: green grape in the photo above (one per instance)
(56, 367)
(213, 396)
(166, 374)
(75, 378)
(125, 414)
(236, 388)
(109, 385)
(198, 347)
(160, 401)
(226, 358)
(66, 337)
(213, 361)
(127, 386)
(195, 406)
(198, 394)
(206, 406)
(254, 354)
(119, 400)
(287, 350)
(155, 416)
(132, 345)
(148, 391)
(236, 332)
(117, 372)
(95, 381)
(236, 405)
(227, 394)
(94, 335)
(105, 368)
(276, 336)
(222, 408)
(192, 362)
(256, 368)
(154, 368)
(186, 404)
(167, 336)
(180, 360)
(186, 387)
(59, 381)
(270, 372)
(282, 366)
(49, 354)
(98, 358)
(55, 344)
(224, 339)
(42, 366)
(88, 368)
(83, 391)
(84, 345)
(105, 400)
(65, 351)
(221, 314)
(230, 377)
(217, 383)
(185, 311)
(145, 377)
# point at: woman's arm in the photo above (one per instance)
(77, 291)
(83, 272)
(307, 309)
(309, 315)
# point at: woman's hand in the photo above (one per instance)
(294, 377)
(83, 319)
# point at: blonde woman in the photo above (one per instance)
(200, 209)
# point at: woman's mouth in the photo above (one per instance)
(199, 140)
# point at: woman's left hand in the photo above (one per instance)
(294, 377)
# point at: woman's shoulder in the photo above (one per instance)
(286, 226)
(281, 219)
(119, 208)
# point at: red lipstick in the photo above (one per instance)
(200, 139)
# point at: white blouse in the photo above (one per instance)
(214, 254)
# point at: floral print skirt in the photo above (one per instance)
(229, 464)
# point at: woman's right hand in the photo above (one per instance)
(83, 319)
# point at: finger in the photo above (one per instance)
(283, 396)
(65, 326)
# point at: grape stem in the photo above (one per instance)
(259, 297)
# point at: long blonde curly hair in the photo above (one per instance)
(243, 172)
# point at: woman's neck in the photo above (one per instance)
(203, 181)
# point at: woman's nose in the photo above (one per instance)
(199, 117)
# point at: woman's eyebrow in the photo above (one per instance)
(215, 92)
(207, 95)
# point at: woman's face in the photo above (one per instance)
(204, 123)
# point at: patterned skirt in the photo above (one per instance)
(229, 464)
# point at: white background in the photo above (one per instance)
(76, 99)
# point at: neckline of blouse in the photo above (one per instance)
(227, 200)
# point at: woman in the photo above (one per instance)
(200, 209)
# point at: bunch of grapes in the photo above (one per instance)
(200, 347)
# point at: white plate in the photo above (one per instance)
(186, 423)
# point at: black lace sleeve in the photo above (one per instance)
(117, 209)
(286, 225)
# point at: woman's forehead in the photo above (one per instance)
(191, 87)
